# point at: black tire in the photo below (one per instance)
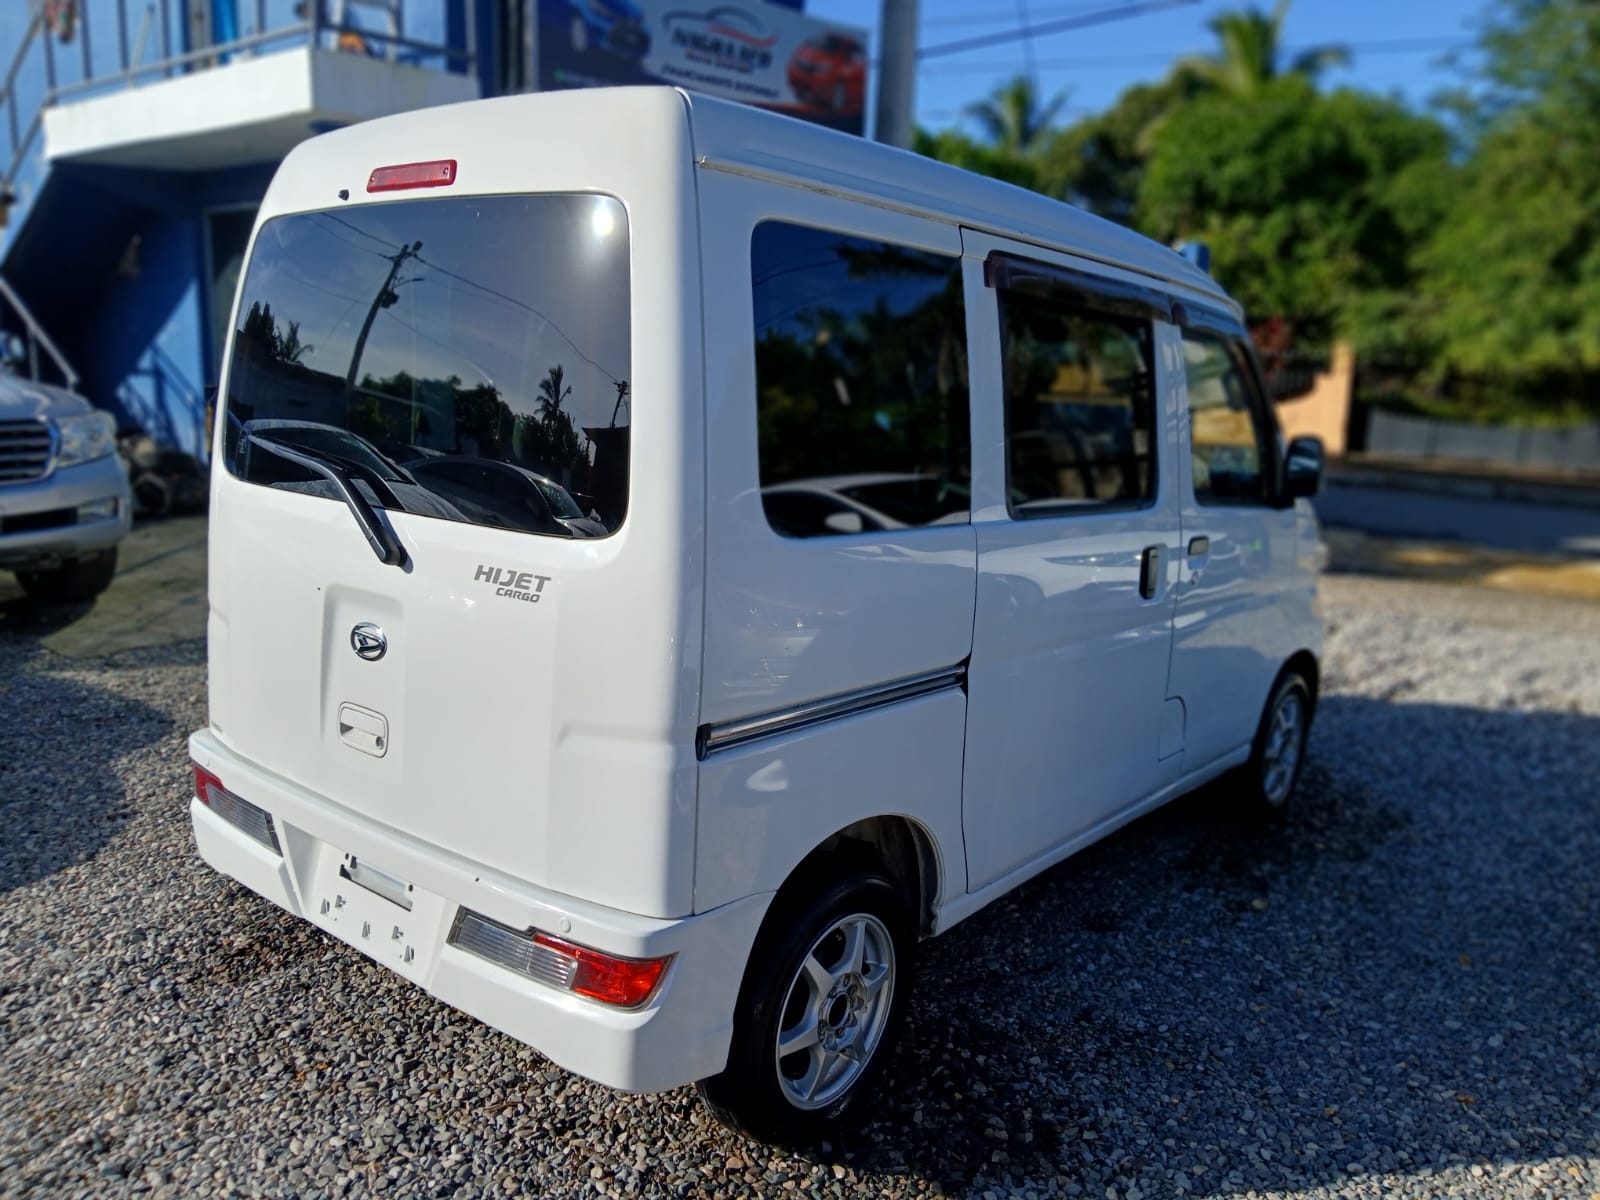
(76, 581)
(1269, 778)
(755, 1094)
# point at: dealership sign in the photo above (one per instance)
(754, 52)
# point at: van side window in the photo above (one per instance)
(861, 383)
(1080, 407)
(1226, 424)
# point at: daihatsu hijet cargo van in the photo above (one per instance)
(668, 558)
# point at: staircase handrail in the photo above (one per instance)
(38, 337)
(21, 142)
(130, 70)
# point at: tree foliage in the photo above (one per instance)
(1014, 118)
(1309, 202)
(1250, 53)
(1514, 264)
(1464, 244)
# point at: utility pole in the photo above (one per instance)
(897, 71)
(386, 297)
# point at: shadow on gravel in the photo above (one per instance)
(60, 801)
(22, 618)
(1398, 978)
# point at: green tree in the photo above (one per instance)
(552, 395)
(1514, 268)
(1310, 202)
(1096, 163)
(1013, 117)
(1250, 53)
(1014, 124)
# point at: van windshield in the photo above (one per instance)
(464, 358)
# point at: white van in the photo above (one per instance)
(957, 534)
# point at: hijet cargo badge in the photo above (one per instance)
(513, 585)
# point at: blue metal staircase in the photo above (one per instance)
(106, 258)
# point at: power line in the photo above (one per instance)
(1027, 43)
(489, 291)
(472, 283)
(1096, 17)
(991, 17)
(1103, 62)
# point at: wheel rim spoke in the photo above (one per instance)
(821, 979)
(837, 1014)
(855, 948)
(816, 1069)
(801, 1036)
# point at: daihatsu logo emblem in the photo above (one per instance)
(367, 640)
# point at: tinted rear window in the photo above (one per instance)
(471, 352)
(861, 383)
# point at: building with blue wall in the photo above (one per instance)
(142, 136)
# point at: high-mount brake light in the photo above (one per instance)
(440, 172)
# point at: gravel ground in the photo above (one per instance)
(1393, 995)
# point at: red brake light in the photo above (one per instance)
(204, 780)
(624, 982)
(440, 172)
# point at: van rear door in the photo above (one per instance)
(446, 593)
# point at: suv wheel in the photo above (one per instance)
(823, 1001)
(74, 582)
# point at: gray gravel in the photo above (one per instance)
(1394, 995)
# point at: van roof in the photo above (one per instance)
(737, 137)
(732, 137)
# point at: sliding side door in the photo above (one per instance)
(1076, 518)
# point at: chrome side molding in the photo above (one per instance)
(714, 738)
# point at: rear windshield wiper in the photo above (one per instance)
(338, 472)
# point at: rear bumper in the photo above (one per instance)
(680, 1036)
(63, 491)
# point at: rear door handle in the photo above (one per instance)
(1199, 546)
(1150, 572)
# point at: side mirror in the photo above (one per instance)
(844, 522)
(1302, 468)
(13, 350)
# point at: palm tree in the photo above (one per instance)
(1012, 118)
(551, 395)
(1250, 51)
(288, 348)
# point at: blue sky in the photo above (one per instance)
(1396, 46)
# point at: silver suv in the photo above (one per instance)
(64, 502)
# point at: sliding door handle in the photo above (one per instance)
(1150, 572)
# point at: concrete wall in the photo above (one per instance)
(1324, 411)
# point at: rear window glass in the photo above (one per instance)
(465, 359)
(861, 383)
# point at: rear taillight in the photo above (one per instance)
(237, 811)
(624, 982)
(438, 173)
(204, 783)
(620, 982)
